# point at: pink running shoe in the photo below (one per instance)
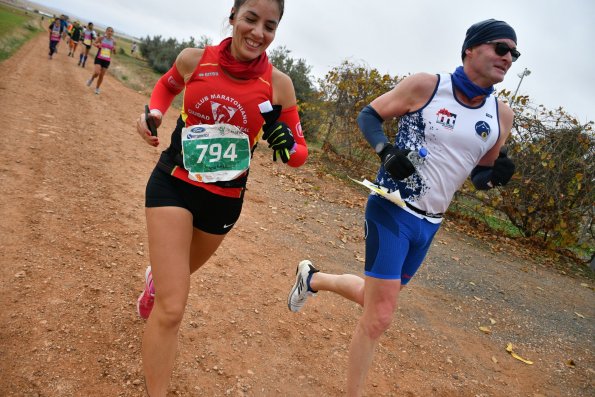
(145, 301)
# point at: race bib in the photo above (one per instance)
(215, 152)
(87, 42)
(105, 53)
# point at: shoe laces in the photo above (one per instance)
(150, 287)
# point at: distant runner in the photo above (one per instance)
(64, 22)
(106, 46)
(55, 30)
(89, 37)
(75, 37)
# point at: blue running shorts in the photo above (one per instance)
(396, 241)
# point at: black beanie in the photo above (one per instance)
(487, 30)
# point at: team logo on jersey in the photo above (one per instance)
(446, 119)
(222, 113)
(482, 129)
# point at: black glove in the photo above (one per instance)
(280, 139)
(502, 170)
(396, 163)
(278, 135)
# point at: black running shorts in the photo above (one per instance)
(102, 62)
(211, 213)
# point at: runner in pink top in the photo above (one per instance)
(55, 30)
(106, 48)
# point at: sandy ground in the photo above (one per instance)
(74, 249)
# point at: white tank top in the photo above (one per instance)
(456, 136)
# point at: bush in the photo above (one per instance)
(550, 198)
(344, 92)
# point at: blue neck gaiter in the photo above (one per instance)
(467, 87)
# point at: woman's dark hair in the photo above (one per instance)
(239, 3)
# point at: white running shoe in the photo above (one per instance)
(89, 82)
(299, 293)
(96, 91)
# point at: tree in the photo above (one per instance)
(344, 92)
(296, 69)
(299, 72)
(161, 53)
(203, 41)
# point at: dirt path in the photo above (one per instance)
(72, 177)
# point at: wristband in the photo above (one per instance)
(291, 117)
(370, 123)
(166, 89)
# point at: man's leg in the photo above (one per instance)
(348, 286)
(380, 302)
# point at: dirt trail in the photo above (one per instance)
(72, 176)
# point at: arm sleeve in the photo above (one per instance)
(291, 117)
(370, 123)
(166, 89)
(481, 177)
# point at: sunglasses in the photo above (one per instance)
(502, 49)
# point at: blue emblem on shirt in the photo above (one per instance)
(482, 129)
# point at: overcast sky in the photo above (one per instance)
(555, 37)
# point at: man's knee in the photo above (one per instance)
(376, 324)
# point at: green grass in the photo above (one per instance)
(503, 225)
(133, 72)
(465, 206)
(16, 27)
(10, 19)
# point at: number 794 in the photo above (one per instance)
(213, 152)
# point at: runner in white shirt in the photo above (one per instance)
(89, 37)
(462, 125)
